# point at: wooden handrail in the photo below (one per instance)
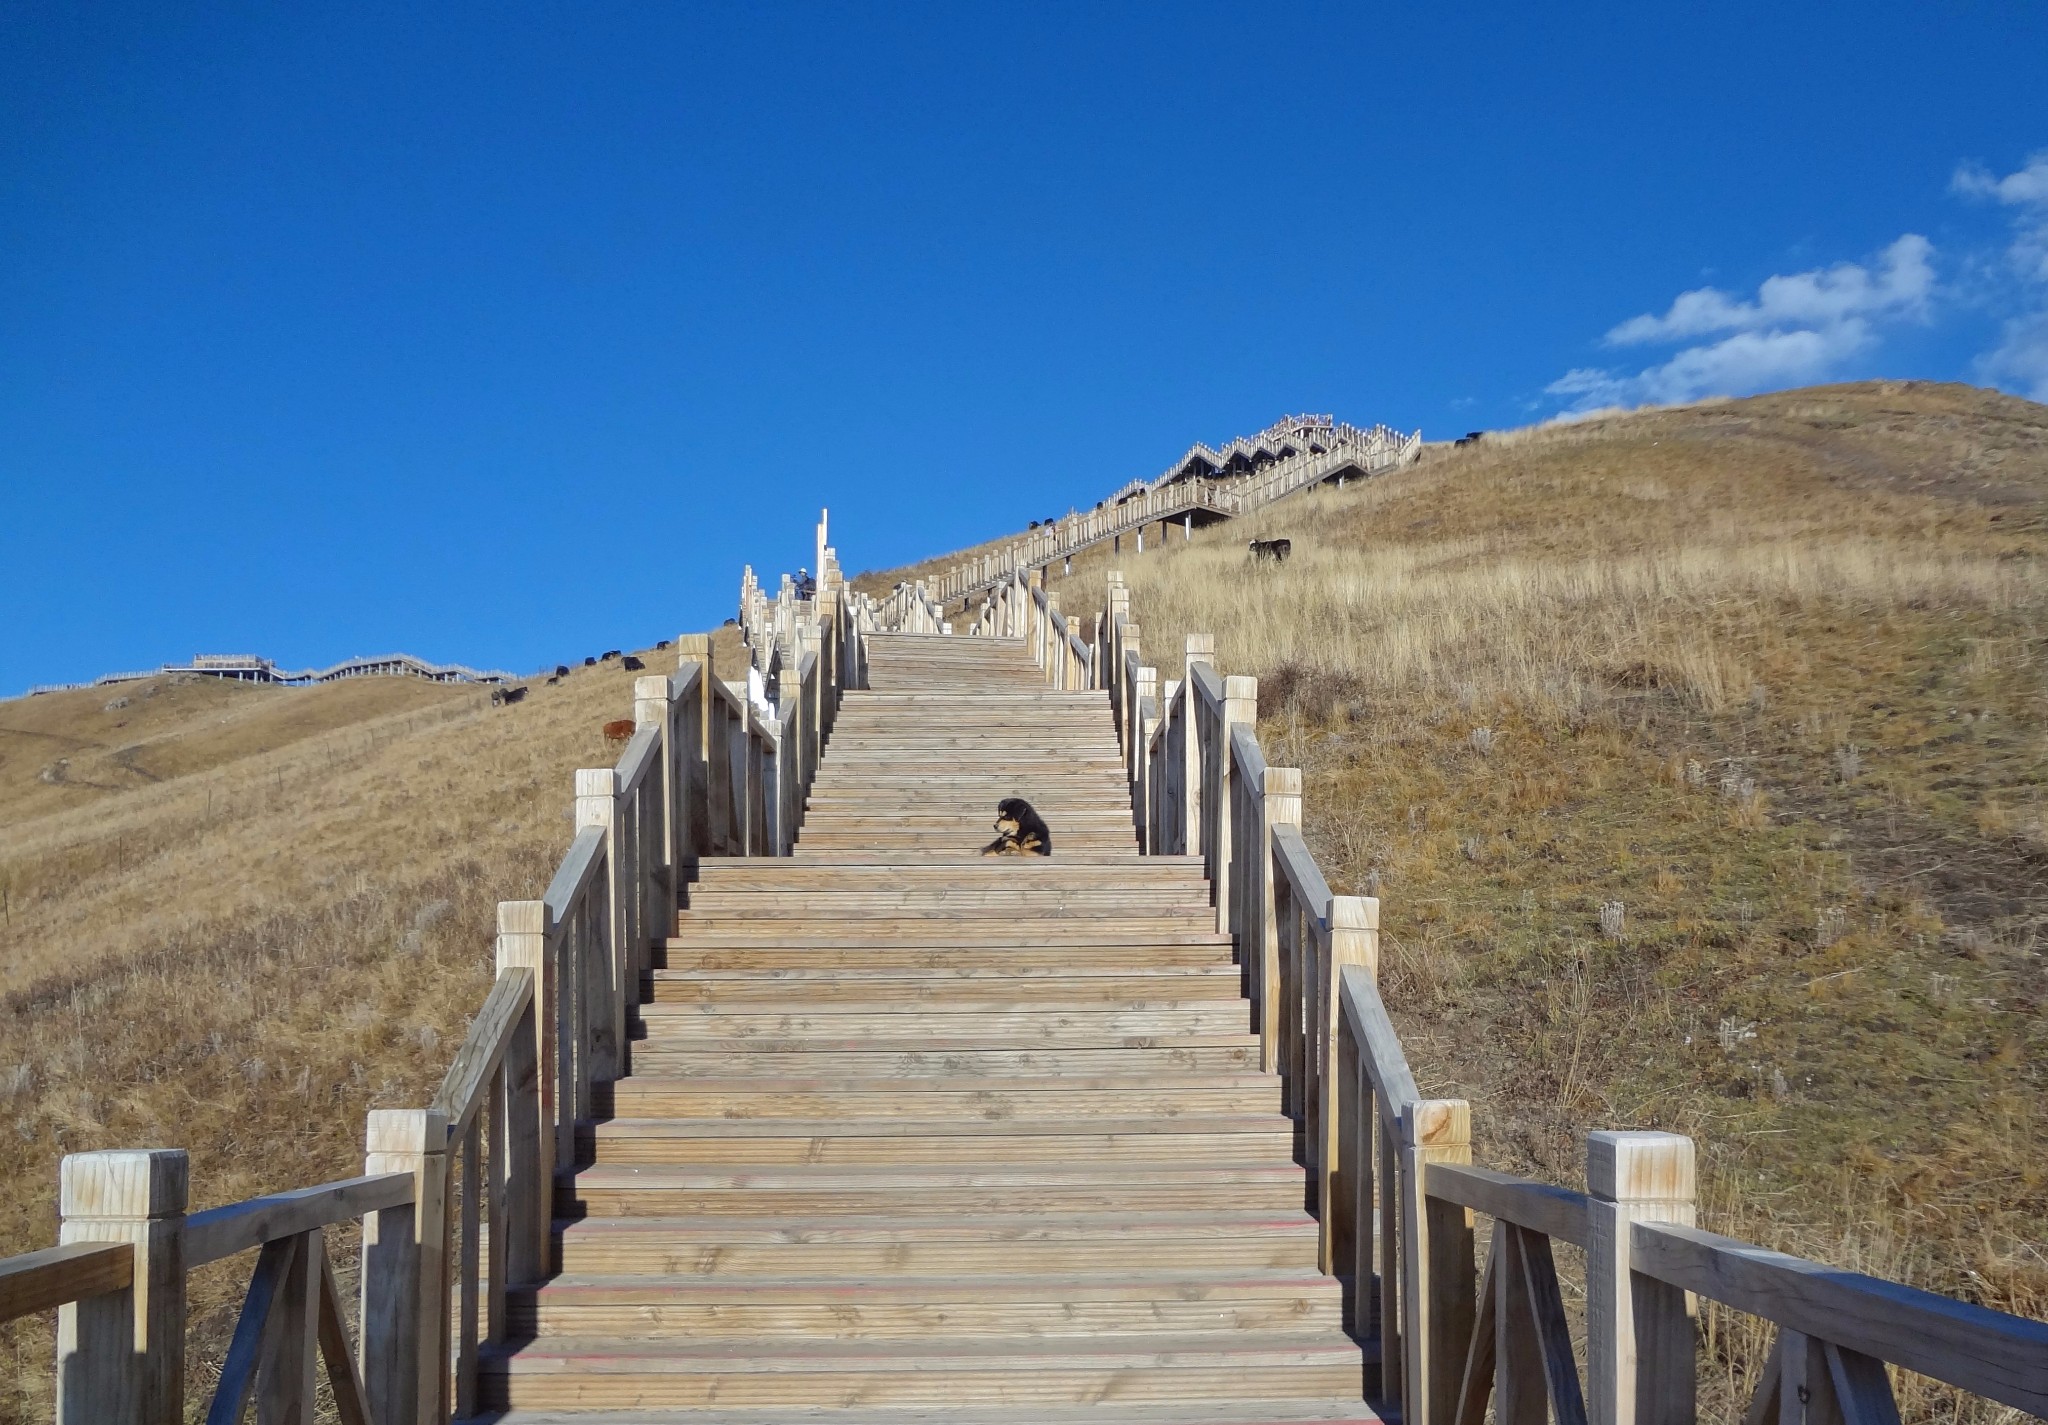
(1988, 1353)
(58, 1276)
(220, 1233)
(467, 1085)
(1556, 1212)
(578, 869)
(1379, 1046)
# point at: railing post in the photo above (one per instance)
(789, 704)
(597, 791)
(121, 1355)
(651, 708)
(1147, 691)
(1055, 642)
(1439, 1293)
(1354, 940)
(1130, 657)
(1197, 648)
(743, 767)
(403, 1345)
(530, 1096)
(1640, 1367)
(1240, 709)
(1283, 808)
(698, 767)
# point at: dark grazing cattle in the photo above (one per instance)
(632, 664)
(609, 655)
(1034, 524)
(505, 697)
(662, 643)
(553, 681)
(1276, 550)
(590, 662)
(561, 670)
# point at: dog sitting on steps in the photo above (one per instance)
(1020, 831)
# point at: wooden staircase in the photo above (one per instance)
(910, 1134)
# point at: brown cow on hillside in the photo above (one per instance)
(619, 730)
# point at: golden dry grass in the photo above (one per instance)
(1771, 674)
(280, 919)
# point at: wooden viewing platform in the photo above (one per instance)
(788, 1108)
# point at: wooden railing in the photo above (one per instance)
(1018, 608)
(457, 1199)
(1172, 497)
(1390, 1173)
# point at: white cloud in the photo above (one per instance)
(1900, 285)
(2021, 357)
(1798, 329)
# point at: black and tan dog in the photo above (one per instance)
(1020, 831)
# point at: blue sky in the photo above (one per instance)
(507, 333)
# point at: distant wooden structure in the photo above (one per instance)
(252, 668)
(784, 1105)
(1203, 486)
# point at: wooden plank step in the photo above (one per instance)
(746, 865)
(705, 1038)
(936, 1098)
(1286, 1412)
(768, 1310)
(947, 992)
(910, 1244)
(770, 953)
(1219, 1092)
(772, 1142)
(1030, 1023)
(1005, 1061)
(937, 986)
(965, 931)
(633, 1372)
(1055, 942)
(677, 1191)
(824, 902)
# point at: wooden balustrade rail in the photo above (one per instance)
(1340, 447)
(457, 1198)
(1390, 1172)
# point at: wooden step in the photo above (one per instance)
(639, 1372)
(1075, 984)
(908, 1244)
(1227, 1412)
(1253, 1139)
(1166, 1097)
(754, 951)
(998, 1060)
(768, 1310)
(670, 1191)
(1040, 1024)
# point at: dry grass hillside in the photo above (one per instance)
(1772, 676)
(236, 918)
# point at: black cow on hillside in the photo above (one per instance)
(1276, 550)
(632, 664)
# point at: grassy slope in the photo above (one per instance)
(1772, 674)
(249, 915)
